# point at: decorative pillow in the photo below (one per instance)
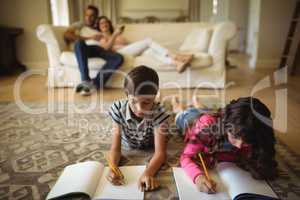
(197, 40)
(136, 48)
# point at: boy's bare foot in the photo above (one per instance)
(196, 102)
(177, 106)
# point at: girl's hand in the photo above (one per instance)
(204, 185)
(147, 183)
(114, 179)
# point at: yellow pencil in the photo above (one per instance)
(204, 167)
(115, 169)
(120, 173)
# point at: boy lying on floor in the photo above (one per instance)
(139, 123)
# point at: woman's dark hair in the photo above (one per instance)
(111, 27)
(141, 80)
(249, 119)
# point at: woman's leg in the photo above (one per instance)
(165, 56)
(136, 48)
(159, 52)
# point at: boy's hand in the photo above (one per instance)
(147, 183)
(114, 179)
(204, 185)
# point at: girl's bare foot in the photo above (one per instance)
(177, 106)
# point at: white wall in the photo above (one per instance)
(253, 31)
(206, 7)
(27, 14)
(275, 20)
(162, 9)
(238, 13)
(229, 10)
(269, 22)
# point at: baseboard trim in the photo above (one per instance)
(36, 65)
(267, 63)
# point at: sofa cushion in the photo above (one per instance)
(200, 60)
(197, 40)
(68, 58)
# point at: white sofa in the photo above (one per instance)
(206, 71)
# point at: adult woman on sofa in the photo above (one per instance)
(81, 34)
(118, 43)
(111, 39)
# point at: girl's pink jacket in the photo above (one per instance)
(211, 149)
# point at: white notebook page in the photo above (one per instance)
(128, 191)
(239, 181)
(187, 189)
(81, 177)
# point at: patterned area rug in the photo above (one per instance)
(34, 149)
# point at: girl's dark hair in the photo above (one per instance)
(141, 80)
(249, 119)
(111, 27)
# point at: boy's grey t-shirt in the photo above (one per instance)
(137, 134)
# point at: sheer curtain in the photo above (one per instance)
(59, 12)
(194, 10)
(106, 7)
(111, 10)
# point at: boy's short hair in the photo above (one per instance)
(94, 8)
(142, 80)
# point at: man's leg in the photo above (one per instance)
(82, 55)
(113, 62)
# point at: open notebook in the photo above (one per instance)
(89, 178)
(232, 183)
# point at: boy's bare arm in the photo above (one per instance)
(160, 153)
(115, 154)
(115, 149)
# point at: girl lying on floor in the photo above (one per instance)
(242, 132)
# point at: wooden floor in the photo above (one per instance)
(241, 81)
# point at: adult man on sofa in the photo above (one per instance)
(86, 39)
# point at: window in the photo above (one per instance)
(215, 7)
(60, 12)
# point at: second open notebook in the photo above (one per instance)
(89, 178)
(232, 183)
